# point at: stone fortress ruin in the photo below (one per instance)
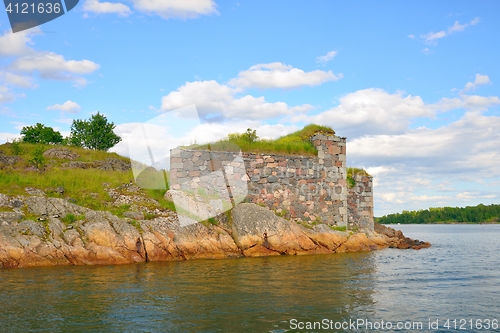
(312, 189)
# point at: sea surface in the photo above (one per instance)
(452, 287)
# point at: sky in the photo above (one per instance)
(414, 86)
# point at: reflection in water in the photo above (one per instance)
(237, 295)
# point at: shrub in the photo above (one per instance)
(37, 159)
(16, 148)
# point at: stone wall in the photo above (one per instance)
(360, 203)
(313, 189)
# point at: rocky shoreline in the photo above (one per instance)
(102, 238)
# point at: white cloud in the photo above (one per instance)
(467, 102)
(375, 111)
(176, 8)
(10, 80)
(97, 7)
(6, 95)
(218, 102)
(53, 66)
(479, 103)
(15, 44)
(19, 71)
(475, 21)
(66, 121)
(278, 75)
(327, 57)
(457, 27)
(445, 150)
(431, 37)
(428, 198)
(371, 111)
(8, 137)
(19, 125)
(480, 80)
(17, 80)
(426, 50)
(67, 107)
(466, 195)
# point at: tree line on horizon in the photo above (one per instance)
(96, 133)
(469, 214)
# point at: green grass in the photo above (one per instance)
(85, 186)
(338, 228)
(356, 171)
(136, 225)
(297, 143)
(305, 224)
(71, 218)
(281, 212)
(149, 216)
(351, 172)
(26, 150)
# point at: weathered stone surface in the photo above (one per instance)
(8, 160)
(4, 200)
(134, 215)
(198, 207)
(51, 206)
(254, 225)
(396, 239)
(109, 164)
(77, 165)
(358, 242)
(113, 164)
(102, 238)
(34, 191)
(63, 153)
(324, 236)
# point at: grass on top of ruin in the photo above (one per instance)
(351, 172)
(296, 143)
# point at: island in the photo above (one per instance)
(66, 205)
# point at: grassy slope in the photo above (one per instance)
(85, 186)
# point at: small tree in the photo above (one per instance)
(250, 135)
(37, 159)
(95, 133)
(16, 148)
(40, 134)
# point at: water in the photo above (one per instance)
(458, 278)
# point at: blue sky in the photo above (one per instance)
(413, 86)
